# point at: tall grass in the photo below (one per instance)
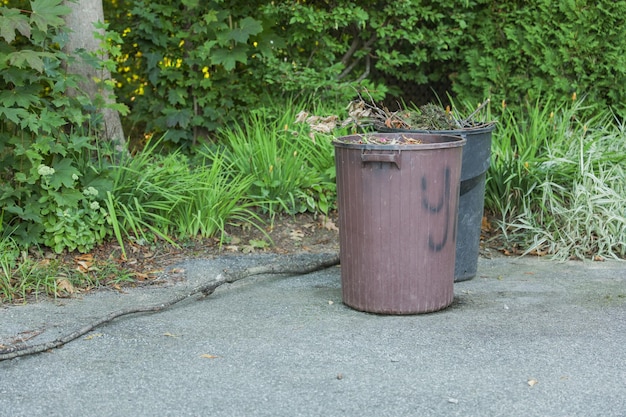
(557, 182)
(166, 197)
(292, 172)
(216, 195)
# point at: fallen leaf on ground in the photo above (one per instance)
(64, 284)
(532, 382)
(485, 225)
(328, 224)
(85, 262)
(168, 334)
(296, 234)
(208, 356)
(141, 276)
(258, 243)
(91, 336)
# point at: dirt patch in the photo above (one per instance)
(283, 234)
(154, 263)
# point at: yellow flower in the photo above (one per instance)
(574, 96)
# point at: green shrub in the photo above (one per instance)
(168, 196)
(514, 50)
(51, 189)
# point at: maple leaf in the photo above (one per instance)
(328, 224)
(12, 20)
(48, 13)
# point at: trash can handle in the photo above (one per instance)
(393, 158)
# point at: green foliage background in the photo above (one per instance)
(189, 69)
(517, 50)
(191, 66)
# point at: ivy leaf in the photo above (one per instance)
(228, 58)
(48, 13)
(66, 198)
(176, 96)
(12, 20)
(14, 115)
(190, 4)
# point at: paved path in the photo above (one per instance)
(287, 346)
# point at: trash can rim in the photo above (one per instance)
(464, 131)
(439, 141)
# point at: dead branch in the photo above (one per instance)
(354, 47)
(469, 118)
(294, 265)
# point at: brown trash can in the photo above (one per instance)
(398, 208)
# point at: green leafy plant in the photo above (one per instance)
(51, 191)
(515, 50)
(169, 196)
(217, 196)
(187, 68)
(556, 181)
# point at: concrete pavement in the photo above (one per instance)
(526, 337)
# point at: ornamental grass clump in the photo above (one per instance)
(556, 182)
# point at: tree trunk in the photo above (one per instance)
(80, 22)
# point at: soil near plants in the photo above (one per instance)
(154, 263)
(284, 234)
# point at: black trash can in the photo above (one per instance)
(476, 160)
